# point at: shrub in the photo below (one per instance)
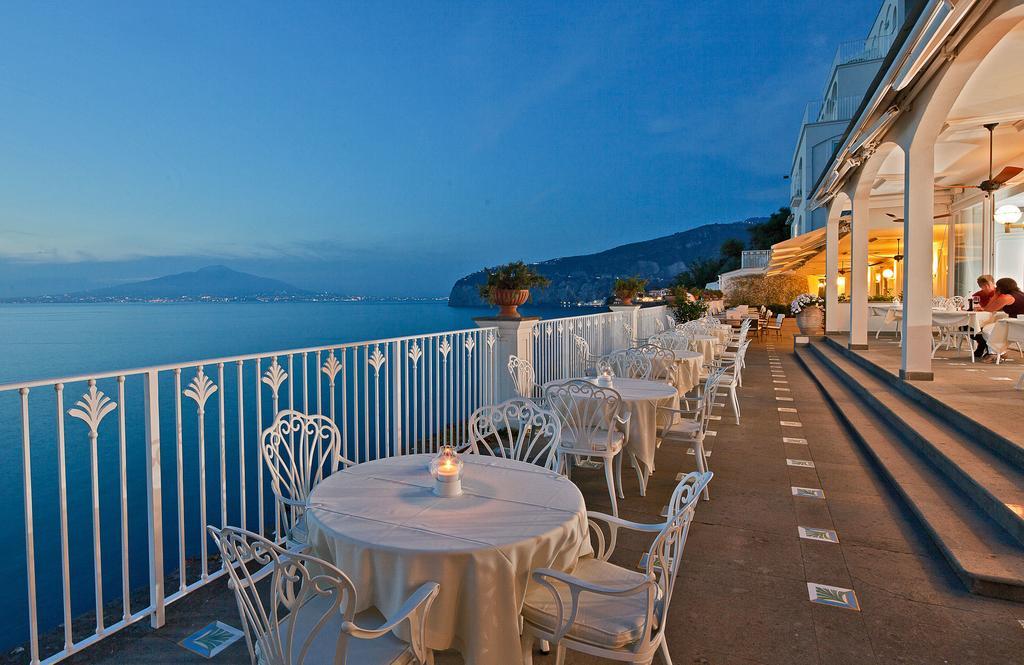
(511, 276)
(689, 311)
(628, 287)
(757, 290)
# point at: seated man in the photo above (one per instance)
(982, 296)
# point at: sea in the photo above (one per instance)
(43, 341)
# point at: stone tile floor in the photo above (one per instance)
(742, 596)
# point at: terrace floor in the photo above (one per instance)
(742, 594)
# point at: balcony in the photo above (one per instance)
(755, 258)
(831, 110)
(175, 447)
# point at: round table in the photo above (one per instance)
(705, 345)
(685, 370)
(641, 399)
(381, 524)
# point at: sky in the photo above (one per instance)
(389, 148)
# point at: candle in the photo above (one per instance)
(447, 471)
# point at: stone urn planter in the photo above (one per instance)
(509, 300)
(809, 320)
(626, 299)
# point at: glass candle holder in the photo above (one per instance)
(604, 379)
(446, 470)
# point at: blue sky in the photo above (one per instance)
(389, 148)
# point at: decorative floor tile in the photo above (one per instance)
(956, 364)
(803, 463)
(973, 370)
(711, 432)
(782, 390)
(212, 639)
(787, 409)
(1000, 378)
(793, 439)
(784, 399)
(813, 533)
(719, 403)
(833, 595)
(714, 417)
(790, 423)
(780, 382)
(808, 492)
(689, 451)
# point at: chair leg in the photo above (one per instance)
(609, 476)
(618, 475)
(640, 474)
(559, 655)
(702, 461)
(526, 647)
(664, 651)
(545, 647)
(735, 404)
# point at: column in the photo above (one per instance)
(632, 312)
(832, 272)
(515, 338)
(858, 278)
(918, 213)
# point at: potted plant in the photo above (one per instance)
(689, 310)
(627, 288)
(808, 310)
(508, 287)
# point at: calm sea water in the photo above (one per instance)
(49, 341)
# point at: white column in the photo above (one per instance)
(832, 273)
(858, 278)
(515, 338)
(918, 212)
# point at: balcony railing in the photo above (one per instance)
(119, 472)
(832, 110)
(755, 258)
(860, 50)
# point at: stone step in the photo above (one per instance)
(995, 484)
(1010, 449)
(983, 554)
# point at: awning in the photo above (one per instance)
(792, 254)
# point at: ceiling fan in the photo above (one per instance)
(899, 220)
(1000, 179)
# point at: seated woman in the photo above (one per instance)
(1009, 299)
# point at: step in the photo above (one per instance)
(1009, 449)
(992, 482)
(987, 559)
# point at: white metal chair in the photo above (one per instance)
(307, 614)
(628, 363)
(517, 429)
(593, 426)
(690, 426)
(523, 377)
(298, 450)
(603, 609)
(663, 361)
(777, 325)
(586, 358)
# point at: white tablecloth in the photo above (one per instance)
(704, 345)
(382, 525)
(686, 370)
(1001, 334)
(975, 319)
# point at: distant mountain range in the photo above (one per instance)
(211, 281)
(576, 279)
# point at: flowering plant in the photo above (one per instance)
(805, 300)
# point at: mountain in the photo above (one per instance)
(591, 276)
(212, 281)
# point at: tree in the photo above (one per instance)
(731, 252)
(699, 273)
(775, 229)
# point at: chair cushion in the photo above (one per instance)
(607, 621)
(683, 428)
(598, 442)
(386, 650)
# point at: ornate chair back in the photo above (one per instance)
(588, 413)
(523, 376)
(298, 450)
(516, 429)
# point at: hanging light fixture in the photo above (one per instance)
(1008, 215)
(888, 273)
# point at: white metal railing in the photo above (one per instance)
(555, 354)
(755, 258)
(121, 471)
(651, 321)
(859, 50)
(831, 110)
